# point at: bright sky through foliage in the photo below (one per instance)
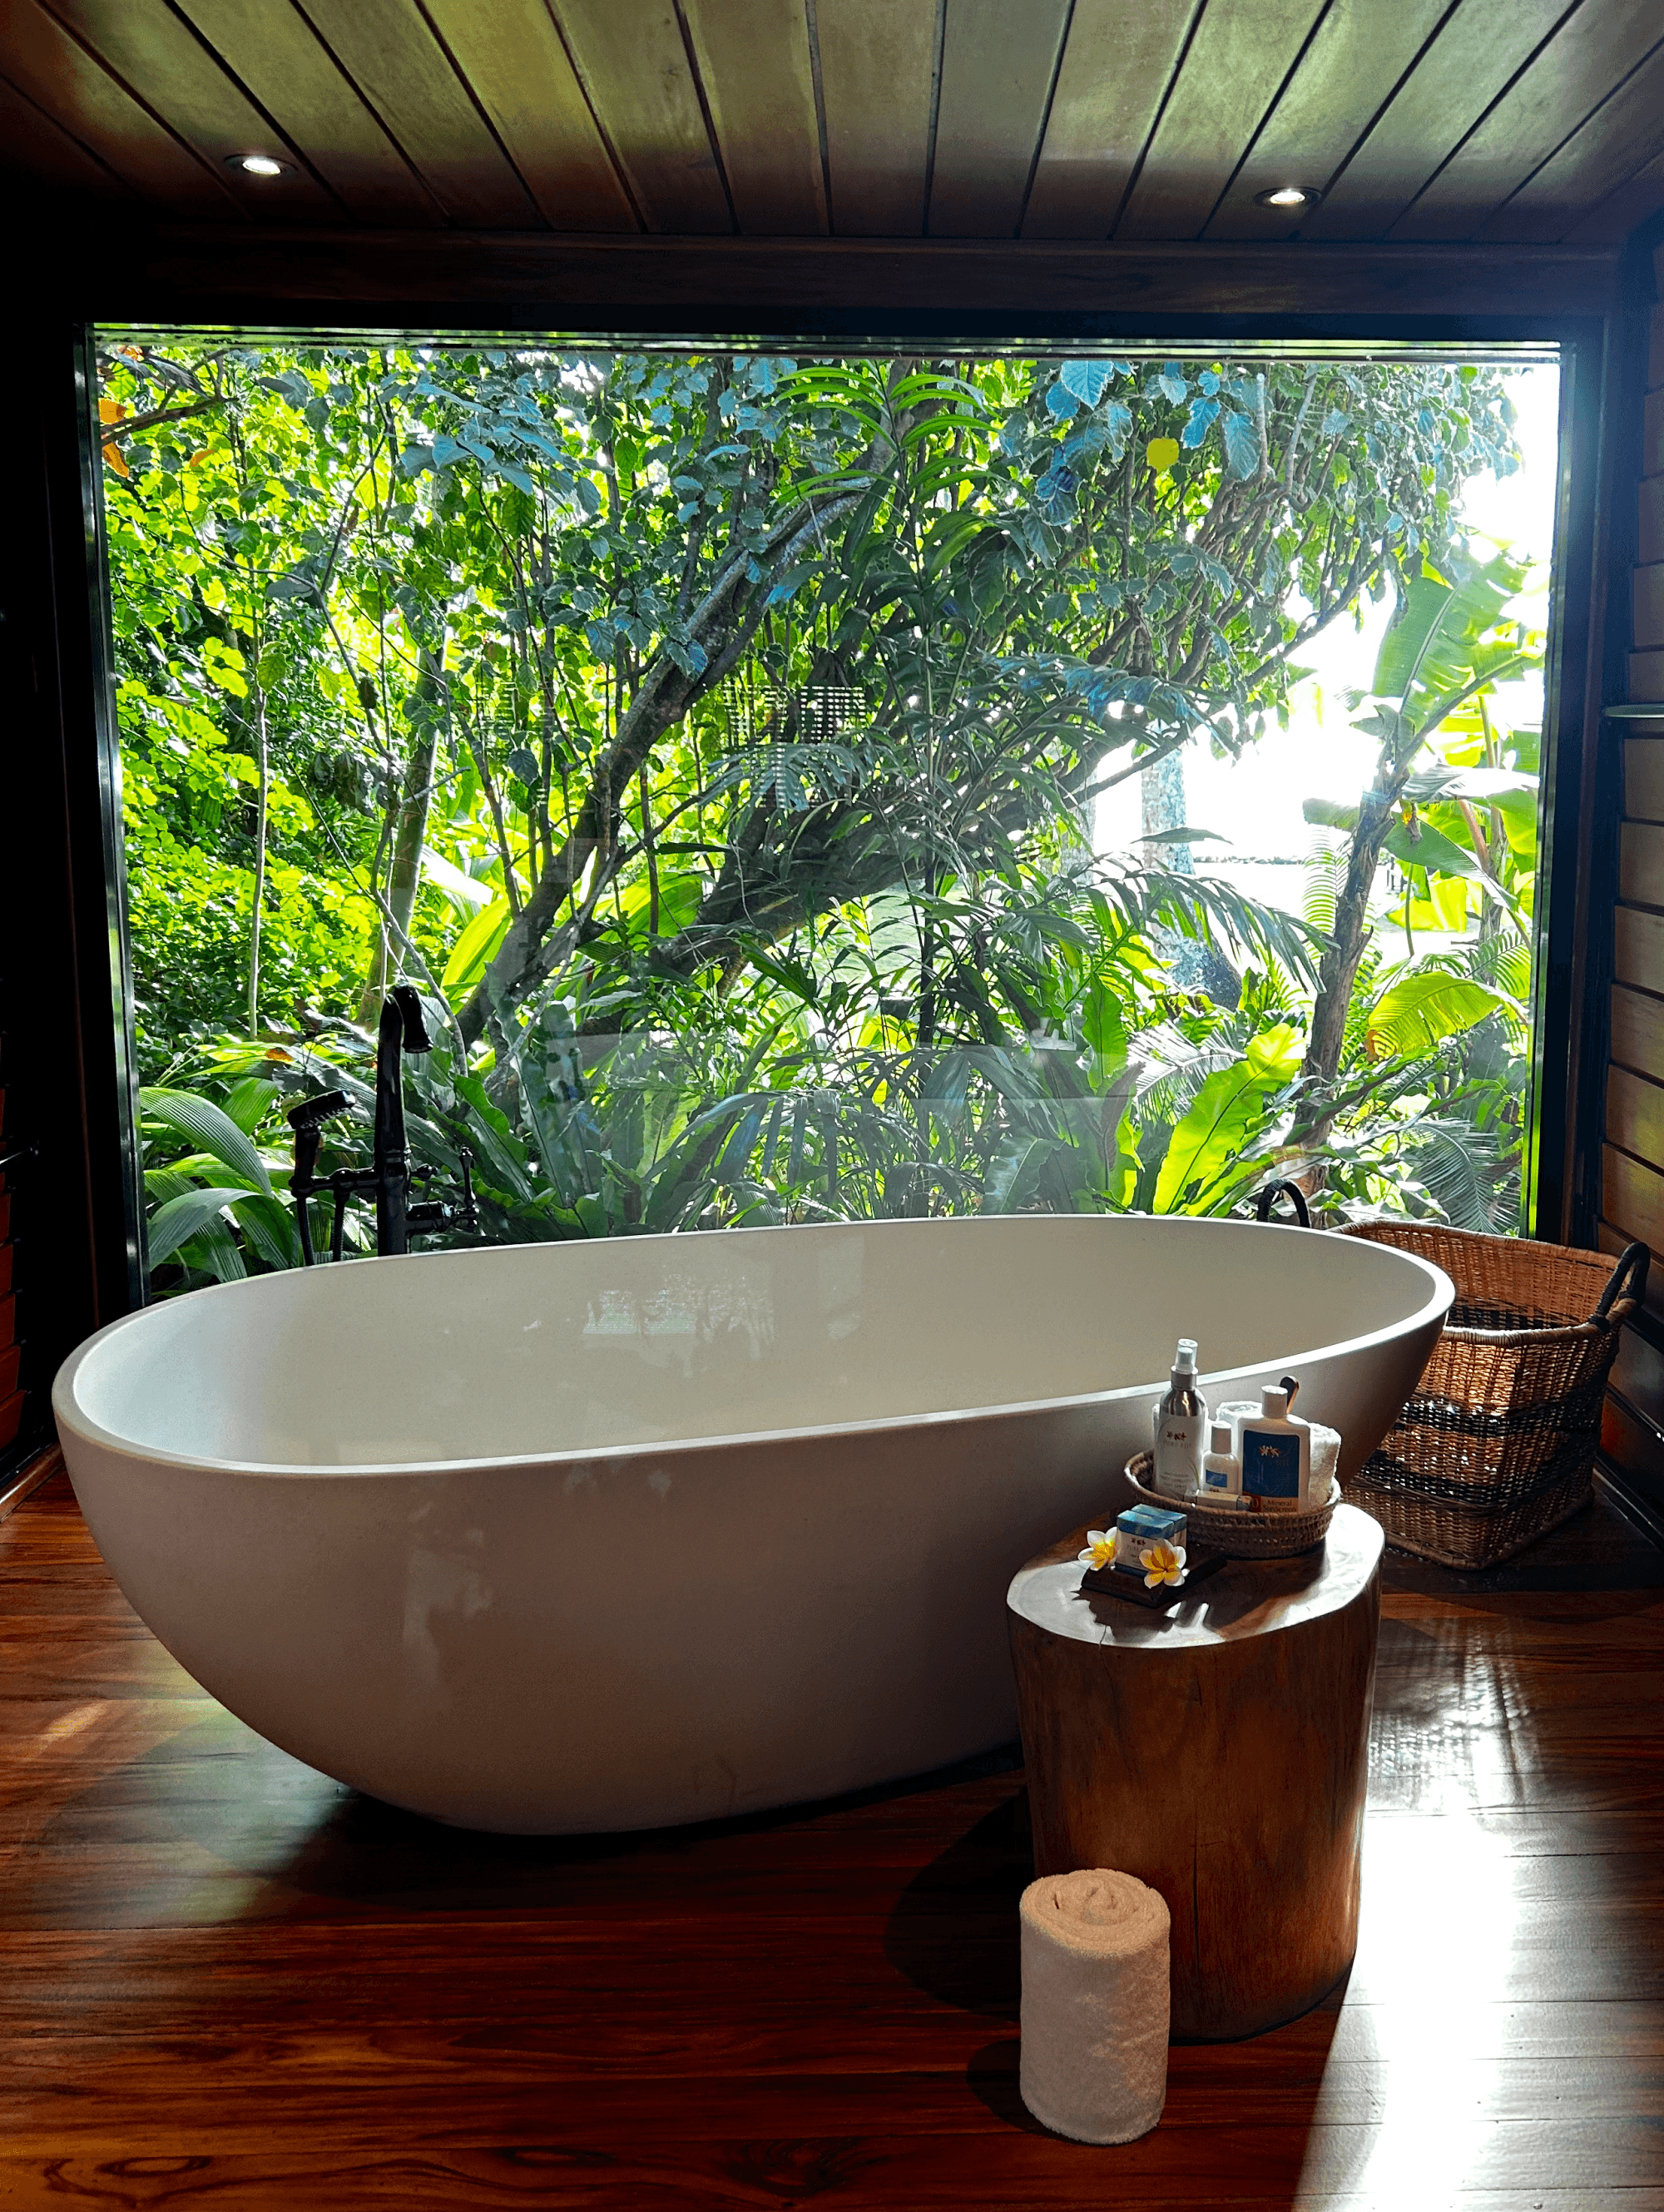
(1257, 804)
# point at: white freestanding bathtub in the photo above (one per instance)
(605, 1535)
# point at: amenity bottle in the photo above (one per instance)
(1181, 1428)
(1276, 1450)
(1222, 1471)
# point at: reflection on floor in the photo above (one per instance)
(227, 1981)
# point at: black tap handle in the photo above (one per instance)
(308, 1139)
(308, 1257)
(439, 1214)
(305, 1120)
(408, 1001)
(312, 1111)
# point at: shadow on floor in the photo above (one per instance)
(954, 1931)
(299, 1841)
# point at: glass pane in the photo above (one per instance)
(823, 788)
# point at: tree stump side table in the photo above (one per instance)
(1219, 1752)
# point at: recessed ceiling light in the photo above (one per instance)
(257, 165)
(1288, 196)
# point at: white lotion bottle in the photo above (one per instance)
(1222, 1471)
(1276, 1449)
(1181, 1428)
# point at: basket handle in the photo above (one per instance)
(1269, 1196)
(1627, 1285)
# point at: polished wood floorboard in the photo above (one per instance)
(228, 1982)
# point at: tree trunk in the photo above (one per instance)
(262, 799)
(722, 625)
(1338, 970)
(1162, 805)
(425, 710)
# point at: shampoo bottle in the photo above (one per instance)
(1276, 1455)
(1180, 1427)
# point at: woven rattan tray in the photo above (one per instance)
(1238, 1535)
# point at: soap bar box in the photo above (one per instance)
(1140, 1530)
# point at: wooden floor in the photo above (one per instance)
(227, 1982)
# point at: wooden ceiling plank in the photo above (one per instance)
(387, 49)
(1231, 73)
(1358, 52)
(1480, 48)
(35, 147)
(997, 74)
(276, 54)
(876, 61)
(754, 64)
(53, 69)
(157, 57)
(1627, 130)
(1118, 61)
(512, 55)
(1635, 200)
(1590, 53)
(634, 69)
(195, 272)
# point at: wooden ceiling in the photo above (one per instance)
(1520, 122)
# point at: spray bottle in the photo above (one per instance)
(1181, 1428)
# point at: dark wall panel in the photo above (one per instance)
(68, 1098)
(1632, 1179)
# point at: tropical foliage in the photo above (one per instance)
(714, 738)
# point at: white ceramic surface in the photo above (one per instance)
(607, 1534)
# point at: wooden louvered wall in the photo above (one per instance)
(1633, 1158)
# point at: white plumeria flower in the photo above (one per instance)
(1164, 1563)
(1100, 1551)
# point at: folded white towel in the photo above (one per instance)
(1095, 2004)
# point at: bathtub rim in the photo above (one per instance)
(71, 1415)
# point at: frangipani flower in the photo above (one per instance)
(1164, 1563)
(1100, 1551)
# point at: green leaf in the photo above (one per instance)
(271, 1228)
(182, 1218)
(475, 949)
(1225, 1112)
(1275, 1055)
(214, 1251)
(1428, 1004)
(247, 1102)
(1430, 848)
(1103, 1025)
(1015, 1169)
(1483, 786)
(1087, 380)
(1241, 446)
(209, 1128)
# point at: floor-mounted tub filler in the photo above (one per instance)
(607, 1534)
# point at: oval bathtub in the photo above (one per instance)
(609, 1534)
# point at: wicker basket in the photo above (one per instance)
(1497, 1445)
(1238, 1535)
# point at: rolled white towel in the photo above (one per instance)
(1096, 2005)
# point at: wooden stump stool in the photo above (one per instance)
(1220, 1753)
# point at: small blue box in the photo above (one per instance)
(1140, 1528)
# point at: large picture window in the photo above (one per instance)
(808, 787)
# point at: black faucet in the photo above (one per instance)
(400, 1030)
